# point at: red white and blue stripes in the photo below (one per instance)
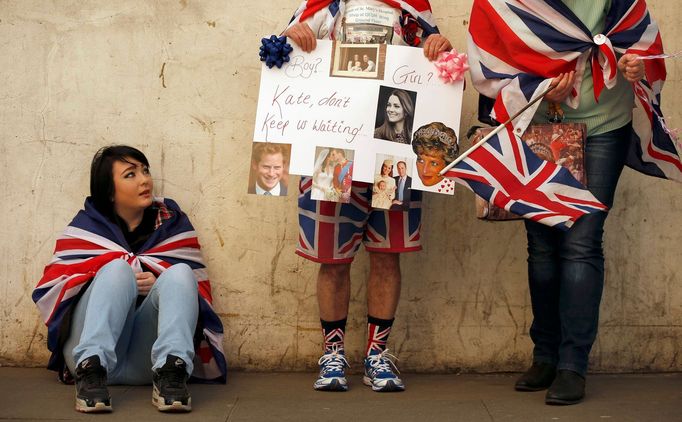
(333, 339)
(91, 241)
(517, 46)
(507, 173)
(331, 232)
(377, 338)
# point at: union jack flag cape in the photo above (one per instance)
(516, 47)
(90, 242)
(415, 13)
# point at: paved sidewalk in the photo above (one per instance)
(36, 395)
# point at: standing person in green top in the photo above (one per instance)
(557, 40)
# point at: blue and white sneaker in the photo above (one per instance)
(332, 371)
(379, 373)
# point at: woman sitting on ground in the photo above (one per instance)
(126, 297)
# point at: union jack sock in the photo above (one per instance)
(333, 332)
(378, 331)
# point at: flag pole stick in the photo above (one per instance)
(497, 130)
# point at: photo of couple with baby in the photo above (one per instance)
(392, 184)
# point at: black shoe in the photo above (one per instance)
(567, 388)
(170, 392)
(92, 395)
(538, 377)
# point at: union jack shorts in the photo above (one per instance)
(331, 232)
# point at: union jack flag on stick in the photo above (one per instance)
(503, 170)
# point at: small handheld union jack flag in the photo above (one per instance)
(505, 172)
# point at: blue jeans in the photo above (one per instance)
(133, 341)
(566, 269)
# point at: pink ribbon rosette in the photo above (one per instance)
(451, 66)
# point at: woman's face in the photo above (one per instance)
(385, 170)
(394, 110)
(325, 163)
(133, 185)
(428, 167)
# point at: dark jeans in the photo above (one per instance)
(566, 269)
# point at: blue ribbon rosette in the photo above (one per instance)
(275, 51)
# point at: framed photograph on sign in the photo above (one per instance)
(269, 175)
(392, 182)
(332, 175)
(366, 61)
(395, 115)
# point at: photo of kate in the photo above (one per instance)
(395, 115)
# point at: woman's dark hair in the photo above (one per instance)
(386, 130)
(101, 177)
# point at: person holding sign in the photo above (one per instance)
(331, 233)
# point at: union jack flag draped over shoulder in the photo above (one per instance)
(91, 241)
(415, 13)
(516, 47)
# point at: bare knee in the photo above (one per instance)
(335, 273)
(381, 261)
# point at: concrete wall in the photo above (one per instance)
(78, 75)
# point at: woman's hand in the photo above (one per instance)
(434, 45)
(631, 67)
(303, 36)
(563, 85)
(145, 281)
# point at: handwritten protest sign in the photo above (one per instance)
(370, 99)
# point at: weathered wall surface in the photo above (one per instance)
(179, 79)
